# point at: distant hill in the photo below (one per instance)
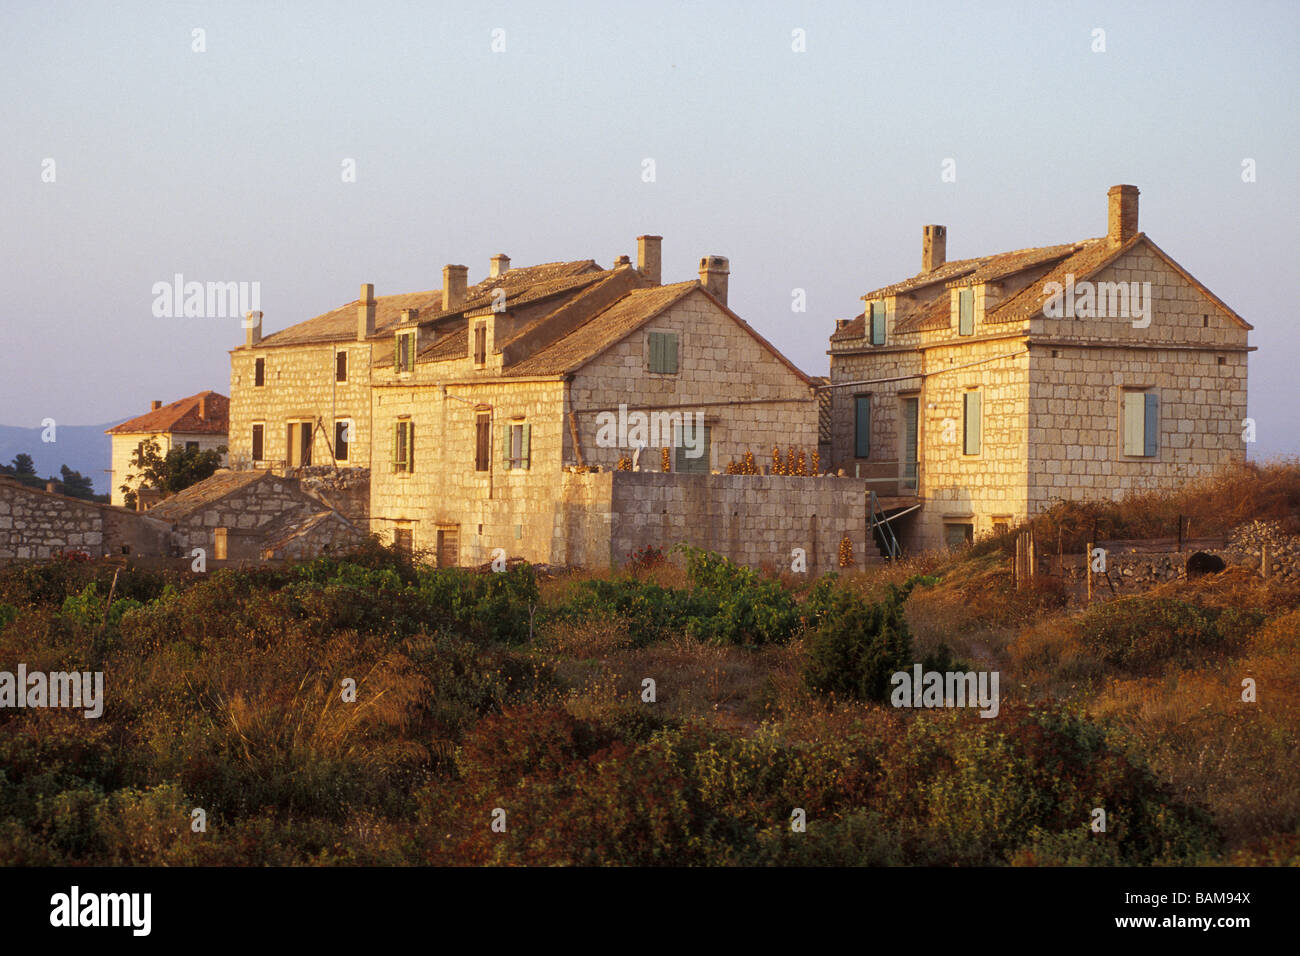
(83, 448)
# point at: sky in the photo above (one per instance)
(136, 148)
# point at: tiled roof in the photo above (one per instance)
(281, 530)
(1089, 257)
(341, 324)
(933, 313)
(219, 485)
(182, 417)
(607, 327)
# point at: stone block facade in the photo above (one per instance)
(39, 525)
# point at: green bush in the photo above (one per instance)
(1141, 634)
(856, 645)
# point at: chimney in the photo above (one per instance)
(454, 285)
(934, 247)
(713, 276)
(155, 405)
(622, 261)
(252, 328)
(366, 312)
(1122, 206)
(648, 258)
(410, 315)
(52, 487)
(203, 408)
(500, 265)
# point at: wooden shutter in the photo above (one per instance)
(862, 426)
(965, 312)
(1134, 419)
(877, 323)
(526, 445)
(505, 445)
(410, 446)
(656, 352)
(1151, 425)
(397, 429)
(670, 353)
(971, 436)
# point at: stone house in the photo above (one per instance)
(38, 524)
(973, 394)
(522, 415)
(253, 515)
(201, 421)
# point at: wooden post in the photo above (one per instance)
(1087, 562)
(1033, 555)
(1015, 567)
(1180, 533)
(1060, 566)
(1263, 561)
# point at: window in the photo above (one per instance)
(692, 457)
(259, 372)
(404, 445)
(342, 437)
(404, 540)
(448, 546)
(956, 535)
(877, 323)
(191, 446)
(1141, 425)
(965, 312)
(404, 351)
(480, 343)
(970, 423)
(516, 442)
(341, 366)
(483, 442)
(663, 352)
(299, 443)
(259, 443)
(1001, 525)
(861, 426)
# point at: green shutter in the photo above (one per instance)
(971, 436)
(1151, 425)
(396, 427)
(656, 352)
(410, 446)
(526, 450)
(877, 323)
(965, 312)
(1134, 419)
(670, 353)
(505, 445)
(862, 426)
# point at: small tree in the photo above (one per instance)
(23, 464)
(77, 485)
(170, 473)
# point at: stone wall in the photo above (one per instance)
(246, 510)
(299, 385)
(40, 524)
(749, 398)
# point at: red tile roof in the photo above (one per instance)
(182, 417)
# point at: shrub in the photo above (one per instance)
(856, 644)
(1141, 633)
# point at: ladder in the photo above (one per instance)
(877, 520)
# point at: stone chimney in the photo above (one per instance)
(203, 408)
(52, 487)
(622, 261)
(252, 328)
(366, 312)
(934, 247)
(649, 260)
(500, 265)
(713, 276)
(155, 405)
(410, 316)
(454, 286)
(1122, 206)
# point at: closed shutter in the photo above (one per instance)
(656, 352)
(410, 446)
(1151, 425)
(525, 450)
(670, 353)
(877, 323)
(505, 445)
(862, 426)
(965, 312)
(397, 436)
(971, 416)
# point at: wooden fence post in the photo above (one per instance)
(1087, 561)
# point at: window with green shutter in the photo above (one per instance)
(404, 351)
(965, 312)
(877, 323)
(1141, 424)
(692, 457)
(663, 352)
(862, 426)
(516, 445)
(971, 423)
(404, 445)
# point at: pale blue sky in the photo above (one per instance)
(810, 170)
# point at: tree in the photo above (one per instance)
(23, 464)
(170, 473)
(76, 484)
